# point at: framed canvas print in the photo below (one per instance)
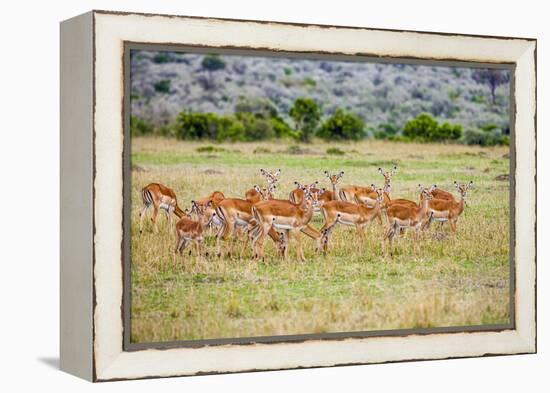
(245, 195)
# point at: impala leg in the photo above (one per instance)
(452, 223)
(141, 215)
(154, 217)
(299, 249)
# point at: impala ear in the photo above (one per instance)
(394, 170)
(298, 185)
(340, 174)
(471, 184)
(327, 174)
(278, 173)
(420, 187)
(456, 184)
(262, 171)
(380, 171)
(208, 204)
(257, 188)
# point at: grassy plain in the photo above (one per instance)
(454, 281)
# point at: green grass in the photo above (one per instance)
(455, 280)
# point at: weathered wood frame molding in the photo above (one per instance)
(92, 146)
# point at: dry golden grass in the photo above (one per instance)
(454, 281)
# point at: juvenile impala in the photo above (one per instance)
(445, 210)
(297, 195)
(160, 197)
(367, 194)
(191, 231)
(347, 213)
(283, 216)
(215, 198)
(401, 216)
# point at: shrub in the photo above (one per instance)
(424, 128)
(306, 115)
(475, 136)
(342, 126)
(385, 131)
(209, 149)
(448, 131)
(255, 127)
(190, 125)
(160, 58)
(140, 126)
(162, 86)
(212, 63)
(282, 129)
(335, 151)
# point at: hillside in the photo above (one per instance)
(165, 83)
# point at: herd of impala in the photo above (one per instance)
(260, 214)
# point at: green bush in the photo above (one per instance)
(422, 127)
(385, 131)
(255, 127)
(140, 126)
(342, 126)
(190, 125)
(476, 136)
(425, 128)
(162, 86)
(209, 149)
(212, 63)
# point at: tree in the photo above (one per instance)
(342, 126)
(491, 77)
(306, 115)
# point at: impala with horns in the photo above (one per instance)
(347, 213)
(283, 216)
(189, 231)
(403, 216)
(367, 194)
(271, 177)
(159, 197)
(445, 210)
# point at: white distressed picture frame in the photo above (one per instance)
(92, 140)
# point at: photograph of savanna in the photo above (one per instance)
(276, 196)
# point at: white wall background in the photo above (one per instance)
(29, 197)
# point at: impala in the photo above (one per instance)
(257, 194)
(445, 210)
(297, 195)
(367, 194)
(160, 197)
(191, 231)
(347, 213)
(402, 216)
(235, 214)
(271, 177)
(438, 193)
(283, 216)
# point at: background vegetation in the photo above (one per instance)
(240, 98)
